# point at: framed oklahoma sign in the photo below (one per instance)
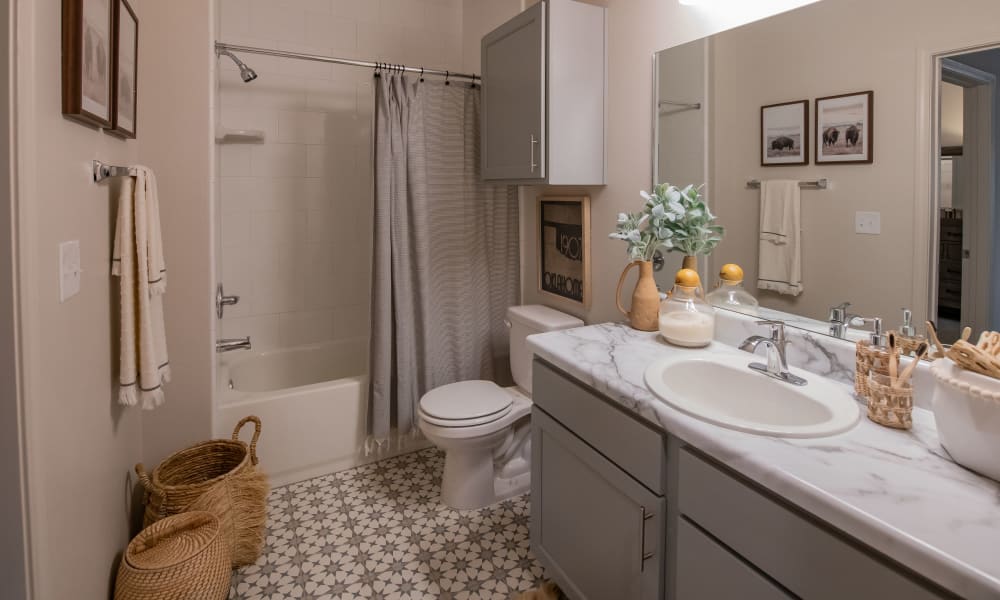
(564, 248)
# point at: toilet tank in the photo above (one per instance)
(529, 320)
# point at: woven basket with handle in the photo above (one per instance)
(218, 476)
(183, 557)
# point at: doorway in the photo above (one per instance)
(967, 176)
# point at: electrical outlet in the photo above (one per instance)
(69, 270)
(868, 223)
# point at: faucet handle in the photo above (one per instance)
(777, 329)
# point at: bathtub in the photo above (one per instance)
(311, 401)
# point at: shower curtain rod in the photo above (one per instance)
(345, 61)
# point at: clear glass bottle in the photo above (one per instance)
(730, 292)
(686, 319)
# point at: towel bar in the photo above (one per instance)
(103, 171)
(818, 184)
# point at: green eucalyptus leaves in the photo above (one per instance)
(673, 219)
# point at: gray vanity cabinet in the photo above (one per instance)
(621, 510)
(543, 101)
(596, 528)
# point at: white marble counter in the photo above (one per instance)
(897, 492)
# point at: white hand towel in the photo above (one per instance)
(780, 260)
(138, 263)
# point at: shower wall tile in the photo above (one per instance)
(296, 210)
(300, 127)
(278, 160)
(277, 20)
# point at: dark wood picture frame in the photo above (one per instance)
(552, 284)
(868, 132)
(766, 146)
(124, 128)
(85, 52)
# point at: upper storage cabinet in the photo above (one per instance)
(544, 95)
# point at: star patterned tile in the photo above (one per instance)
(381, 531)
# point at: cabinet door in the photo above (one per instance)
(597, 531)
(513, 110)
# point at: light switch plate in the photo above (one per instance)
(69, 270)
(869, 223)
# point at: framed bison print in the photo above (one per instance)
(844, 129)
(86, 61)
(564, 248)
(124, 69)
(784, 134)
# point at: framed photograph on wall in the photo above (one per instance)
(126, 70)
(86, 61)
(564, 248)
(845, 129)
(784, 134)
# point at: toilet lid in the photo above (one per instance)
(465, 400)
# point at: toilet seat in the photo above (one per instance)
(465, 404)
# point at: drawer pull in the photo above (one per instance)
(643, 555)
(534, 142)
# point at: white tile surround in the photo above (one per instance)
(295, 211)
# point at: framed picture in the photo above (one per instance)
(845, 128)
(784, 134)
(564, 248)
(125, 69)
(86, 61)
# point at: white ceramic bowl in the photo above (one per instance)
(967, 411)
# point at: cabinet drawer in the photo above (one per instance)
(808, 559)
(598, 532)
(707, 570)
(633, 446)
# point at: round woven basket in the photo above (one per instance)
(219, 476)
(183, 557)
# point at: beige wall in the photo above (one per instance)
(80, 444)
(780, 60)
(176, 141)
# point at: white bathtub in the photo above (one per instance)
(311, 401)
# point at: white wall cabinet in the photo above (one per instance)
(544, 106)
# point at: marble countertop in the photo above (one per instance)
(898, 492)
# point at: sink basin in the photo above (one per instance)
(721, 389)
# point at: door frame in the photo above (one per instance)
(980, 92)
(15, 549)
(927, 194)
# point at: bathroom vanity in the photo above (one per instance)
(634, 499)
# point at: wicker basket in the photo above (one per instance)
(183, 557)
(868, 360)
(219, 476)
(890, 406)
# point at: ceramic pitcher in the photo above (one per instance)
(644, 312)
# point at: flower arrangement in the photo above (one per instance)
(672, 218)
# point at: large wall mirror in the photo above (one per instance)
(886, 115)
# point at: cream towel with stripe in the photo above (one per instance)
(138, 263)
(780, 259)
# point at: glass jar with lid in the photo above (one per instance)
(686, 319)
(730, 292)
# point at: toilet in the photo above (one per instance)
(484, 429)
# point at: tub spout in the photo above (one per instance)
(230, 344)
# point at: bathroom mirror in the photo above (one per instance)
(896, 145)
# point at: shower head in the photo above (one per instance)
(246, 73)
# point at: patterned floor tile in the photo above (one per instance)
(380, 531)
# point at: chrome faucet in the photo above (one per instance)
(777, 366)
(840, 319)
(230, 344)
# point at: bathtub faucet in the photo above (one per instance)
(230, 344)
